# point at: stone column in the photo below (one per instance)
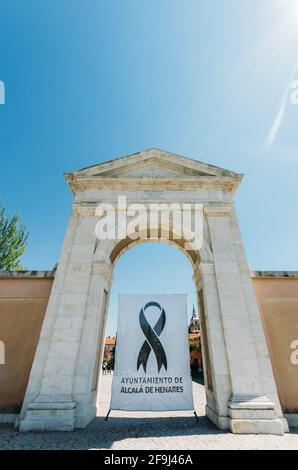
(36, 374)
(249, 410)
(266, 372)
(54, 406)
(92, 341)
(218, 391)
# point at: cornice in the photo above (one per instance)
(81, 183)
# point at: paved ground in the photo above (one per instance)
(151, 431)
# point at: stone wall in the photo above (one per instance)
(277, 296)
(23, 301)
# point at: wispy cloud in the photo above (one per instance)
(278, 120)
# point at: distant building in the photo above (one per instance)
(109, 349)
(194, 324)
(194, 341)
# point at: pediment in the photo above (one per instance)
(153, 163)
(152, 167)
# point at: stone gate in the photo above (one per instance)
(240, 388)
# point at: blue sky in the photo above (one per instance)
(87, 81)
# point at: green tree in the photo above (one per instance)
(13, 238)
(193, 346)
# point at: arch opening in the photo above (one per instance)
(166, 268)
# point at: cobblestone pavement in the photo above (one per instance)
(153, 431)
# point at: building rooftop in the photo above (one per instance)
(27, 274)
(110, 340)
(50, 274)
(275, 274)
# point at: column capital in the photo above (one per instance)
(218, 210)
(207, 268)
(197, 276)
(104, 269)
(84, 209)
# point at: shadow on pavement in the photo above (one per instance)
(101, 434)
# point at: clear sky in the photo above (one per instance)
(87, 81)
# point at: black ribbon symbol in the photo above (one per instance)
(152, 338)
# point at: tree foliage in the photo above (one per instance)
(194, 345)
(13, 238)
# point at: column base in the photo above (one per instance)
(49, 413)
(82, 421)
(254, 415)
(221, 422)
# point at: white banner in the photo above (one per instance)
(152, 370)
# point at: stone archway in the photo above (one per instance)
(241, 391)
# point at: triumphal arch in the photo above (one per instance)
(240, 388)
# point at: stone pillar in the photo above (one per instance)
(220, 391)
(55, 365)
(36, 374)
(263, 358)
(250, 411)
(92, 342)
